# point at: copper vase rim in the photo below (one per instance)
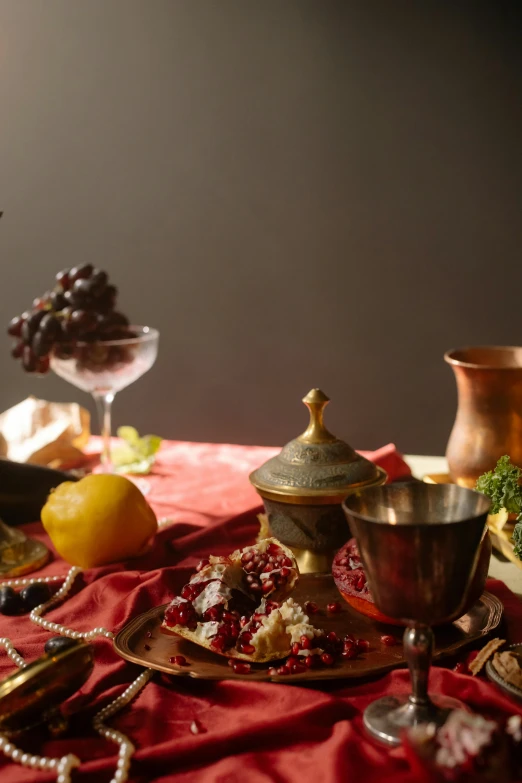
(463, 357)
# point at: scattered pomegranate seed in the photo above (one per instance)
(230, 662)
(283, 670)
(327, 659)
(312, 661)
(306, 644)
(461, 668)
(349, 652)
(334, 607)
(296, 648)
(332, 637)
(311, 607)
(297, 668)
(179, 660)
(147, 646)
(272, 671)
(362, 645)
(241, 667)
(388, 640)
(349, 638)
(248, 649)
(291, 660)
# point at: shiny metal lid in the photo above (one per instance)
(316, 466)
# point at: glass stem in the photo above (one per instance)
(104, 404)
(418, 646)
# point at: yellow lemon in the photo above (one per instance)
(98, 520)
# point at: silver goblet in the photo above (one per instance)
(419, 545)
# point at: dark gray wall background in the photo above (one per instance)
(296, 193)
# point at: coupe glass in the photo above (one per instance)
(103, 368)
(419, 545)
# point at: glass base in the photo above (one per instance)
(386, 719)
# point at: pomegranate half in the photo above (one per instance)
(350, 579)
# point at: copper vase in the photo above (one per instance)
(489, 414)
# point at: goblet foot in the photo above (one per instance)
(386, 719)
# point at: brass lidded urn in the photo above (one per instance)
(304, 485)
(489, 415)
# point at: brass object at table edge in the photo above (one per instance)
(34, 694)
(20, 554)
(316, 468)
(488, 422)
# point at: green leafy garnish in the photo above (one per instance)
(135, 455)
(503, 487)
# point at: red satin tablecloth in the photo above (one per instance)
(251, 732)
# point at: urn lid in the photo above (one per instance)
(315, 467)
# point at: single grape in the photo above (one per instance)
(31, 324)
(84, 320)
(107, 299)
(28, 359)
(10, 602)
(57, 300)
(111, 321)
(15, 326)
(18, 349)
(41, 344)
(80, 272)
(62, 278)
(43, 364)
(58, 643)
(34, 595)
(50, 326)
(99, 280)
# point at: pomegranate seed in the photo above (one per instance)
(255, 587)
(327, 659)
(296, 647)
(247, 557)
(306, 644)
(283, 670)
(218, 643)
(246, 636)
(349, 638)
(334, 607)
(273, 549)
(297, 668)
(179, 660)
(285, 572)
(202, 564)
(267, 569)
(312, 661)
(389, 641)
(248, 649)
(332, 637)
(241, 667)
(461, 668)
(244, 621)
(268, 585)
(272, 671)
(360, 582)
(230, 662)
(349, 653)
(343, 561)
(363, 645)
(147, 646)
(311, 607)
(186, 592)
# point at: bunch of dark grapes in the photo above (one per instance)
(80, 308)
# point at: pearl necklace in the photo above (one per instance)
(64, 766)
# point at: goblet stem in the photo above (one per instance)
(418, 648)
(104, 404)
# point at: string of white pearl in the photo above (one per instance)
(62, 630)
(12, 653)
(126, 747)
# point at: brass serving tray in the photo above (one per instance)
(500, 539)
(142, 640)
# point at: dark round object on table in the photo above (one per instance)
(10, 601)
(58, 643)
(34, 595)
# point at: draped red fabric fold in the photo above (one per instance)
(249, 732)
